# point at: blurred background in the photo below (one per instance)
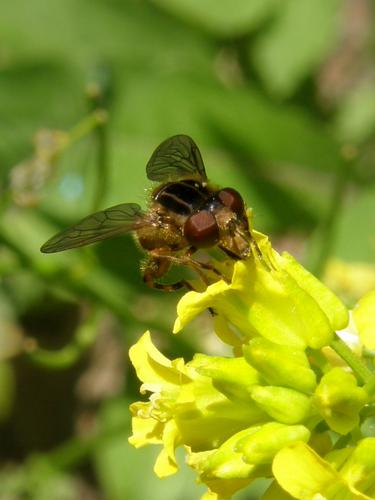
(280, 98)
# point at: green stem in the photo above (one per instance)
(75, 451)
(66, 357)
(85, 126)
(102, 162)
(360, 370)
(99, 91)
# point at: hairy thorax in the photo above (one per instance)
(163, 229)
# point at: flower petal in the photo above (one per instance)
(154, 369)
(334, 309)
(272, 296)
(193, 303)
(145, 431)
(166, 463)
(305, 475)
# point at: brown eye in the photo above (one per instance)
(232, 199)
(201, 229)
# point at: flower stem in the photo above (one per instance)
(85, 126)
(99, 93)
(102, 162)
(360, 370)
(67, 356)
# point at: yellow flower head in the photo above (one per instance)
(346, 473)
(185, 407)
(271, 296)
(261, 412)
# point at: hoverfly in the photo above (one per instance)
(185, 214)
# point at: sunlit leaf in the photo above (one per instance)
(225, 18)
(296, 43)
(355, 121)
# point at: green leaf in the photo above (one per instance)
(271, 133)
(354, 238)
(355, 120)
(296, 43)
(224, 18)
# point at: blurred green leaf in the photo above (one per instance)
(272, 133)
(37, 480)
(43, 72)
(224, 18)
(67, 269)
(94, 30)
(240, 121)
(157, 106)
(125, 472)
(296, 43)
(355, 235)
(176, 66)
(277, 145)
(52, 97)
(355, 120)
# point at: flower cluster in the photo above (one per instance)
(285, 406)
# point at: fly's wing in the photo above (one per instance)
(111, 222)
(176, 158)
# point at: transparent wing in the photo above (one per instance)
(111, 222)
(176, 158)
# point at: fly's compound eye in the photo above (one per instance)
(201, 229)
(232, 199)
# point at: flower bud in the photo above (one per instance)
(282, 404)
(339, 400)
(234, 377)
(261, 446)
(281, 365)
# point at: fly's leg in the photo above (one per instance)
(155, 268)
(186, 260)
(230, 254)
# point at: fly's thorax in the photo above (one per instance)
(161, 229)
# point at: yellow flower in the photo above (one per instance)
(360, 332)
(251, 415)
(364, 319)
(348, 473)
(244, 457)
(185, 407)
(271, 296)
(350, 279)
